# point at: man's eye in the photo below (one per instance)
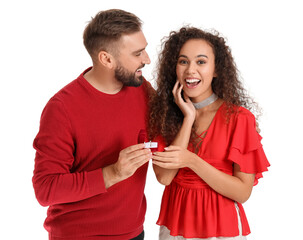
(138, 54)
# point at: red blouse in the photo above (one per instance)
(192, 209)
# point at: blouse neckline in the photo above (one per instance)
(210, 126)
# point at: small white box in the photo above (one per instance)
(150, 144)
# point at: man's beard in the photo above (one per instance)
(128, 78)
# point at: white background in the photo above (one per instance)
(41, 51)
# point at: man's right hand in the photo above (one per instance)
(130, 159)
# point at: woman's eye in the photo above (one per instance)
(201, 62)
(182, 61)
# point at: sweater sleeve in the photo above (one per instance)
(53, 181)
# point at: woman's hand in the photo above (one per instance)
(186, 106)
(174, 157)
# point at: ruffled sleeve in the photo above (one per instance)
(246, 149)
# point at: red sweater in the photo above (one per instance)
(81, 131)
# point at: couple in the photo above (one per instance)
(90, 167)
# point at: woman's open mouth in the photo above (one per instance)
(192, 82)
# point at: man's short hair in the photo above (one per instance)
(105, 30)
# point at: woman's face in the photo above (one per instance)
(196, 68)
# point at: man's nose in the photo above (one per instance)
(146, 59)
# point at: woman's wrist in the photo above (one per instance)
(189, 120)
(193, 162)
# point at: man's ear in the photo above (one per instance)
(106, 59)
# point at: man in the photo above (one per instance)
(89, 168)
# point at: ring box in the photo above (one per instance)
(142, 138)
(152, 145)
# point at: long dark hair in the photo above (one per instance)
(165, 116)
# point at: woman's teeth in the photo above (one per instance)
(192, 82)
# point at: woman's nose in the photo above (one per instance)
(191, 68)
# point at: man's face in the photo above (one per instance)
(128, 78)
(131, 59)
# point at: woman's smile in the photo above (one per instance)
(192, 82)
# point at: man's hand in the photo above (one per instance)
(130, 159)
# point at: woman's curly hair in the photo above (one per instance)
(165, 116)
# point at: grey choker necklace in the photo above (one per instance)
(212, 98)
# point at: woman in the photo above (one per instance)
(214, 155)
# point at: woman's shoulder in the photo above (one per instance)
(241, 112)
(237, 115)
(243, 120)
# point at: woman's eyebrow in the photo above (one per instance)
(200, 55)
(182, 56)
